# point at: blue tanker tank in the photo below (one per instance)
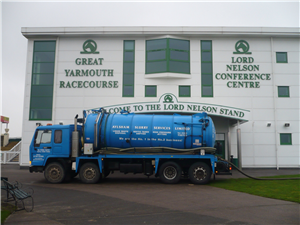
(129, 130)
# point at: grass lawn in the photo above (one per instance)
(6, 210)
(288, 190)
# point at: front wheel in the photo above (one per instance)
(199, 173)
(89, 173)
(170, 172)
(54, 173)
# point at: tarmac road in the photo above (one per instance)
(135, 199)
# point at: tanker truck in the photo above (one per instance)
(167, 146)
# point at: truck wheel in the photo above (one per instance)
(89, 173)
(54, 173)
(170, 172)
(199, 173)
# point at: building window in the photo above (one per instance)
(284, 91)
(286, 139)
(206, 69)
(167, 55)
(150, 91)
(184, 91)
(281, 57)
(128, 69)
(42, 80)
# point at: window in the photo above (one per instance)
(167, 55)
(286, 139)
(128, 69)
(42, 137)
(184, 91)
(42, 80)
(58, 136)
(283, 91)
(281, 57)
(150, 91)
(206, 69)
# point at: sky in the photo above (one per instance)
(17, 14)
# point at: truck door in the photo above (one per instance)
(42, 146)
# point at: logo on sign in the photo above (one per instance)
(89, 47)
(168, 99)
(242, 47)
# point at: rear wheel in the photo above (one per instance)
(89, 173)
(54, 173)
(199, 173)
(170, 172)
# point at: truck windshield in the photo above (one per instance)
(43, 136)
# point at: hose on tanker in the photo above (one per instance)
(256, 178)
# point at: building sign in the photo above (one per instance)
(4, 119)
(169, 103)
(101, 77)
(243, 72)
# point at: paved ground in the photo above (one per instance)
(135, 199)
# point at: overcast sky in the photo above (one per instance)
(17, 14)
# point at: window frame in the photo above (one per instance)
(150, 95)
(35, 74)
(205, 74)
(184, 96)
(286, 143)
(167, 58)
(128, 61)
(283, 96)
(281, 61)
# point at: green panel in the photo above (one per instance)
(128, 68)
(286, 139)
(156, 55)
(179, 44)
(284, 91)
(179, 55)
(179, 67)
(44, 57)
(281, 57)
(206, 45)
(41, 90)
(128, 56)
(184, 91)
(206, 69)
(206, 56)
(42, 80)
(156, 44)
(44, 46)
(128, 79)
(207, 91)
(156, 67)
(43, 67)
(128, 45)
(150, 91)
(128, 91)
(41, 114)
(206, 79)
(41, 102)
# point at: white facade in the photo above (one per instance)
(250, 107)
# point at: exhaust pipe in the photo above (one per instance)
(75, 139)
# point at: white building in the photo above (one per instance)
(245, 78)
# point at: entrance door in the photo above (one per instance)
(220, 145)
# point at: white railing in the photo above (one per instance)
(8, 156)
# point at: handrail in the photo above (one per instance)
(8, 156)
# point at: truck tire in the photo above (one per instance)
(54, 173)
(199, 173)
(89, 173)
(170, 172)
